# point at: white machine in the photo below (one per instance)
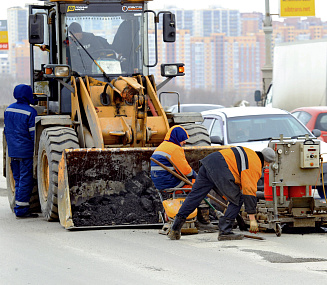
(288, 190)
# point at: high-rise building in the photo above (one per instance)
(4, 64)
(251, 23)
(172, 53)
(242, 65)
(202, 65)
(203, 23)
(219, 55)
(17, 33)
(23, 62)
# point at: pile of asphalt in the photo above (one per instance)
(136, 203)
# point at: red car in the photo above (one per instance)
(313, 118)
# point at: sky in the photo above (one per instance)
(242, 5)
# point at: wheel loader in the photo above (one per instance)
(99, 116)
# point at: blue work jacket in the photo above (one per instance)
(19, 120)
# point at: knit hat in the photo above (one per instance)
(268, 154)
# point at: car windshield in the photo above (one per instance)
(263, 127)
(110, 34)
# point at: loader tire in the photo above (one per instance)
(53, 141)
(198, 135)
(10, 183)
(34, 201)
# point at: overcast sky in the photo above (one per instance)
(242, 5)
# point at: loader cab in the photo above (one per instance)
(110, 34)
(99, 39)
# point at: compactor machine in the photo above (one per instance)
(288, 192)
(99, 116)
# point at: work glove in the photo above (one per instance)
(253, 226)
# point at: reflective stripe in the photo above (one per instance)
(156, 168)
(22, 203)
(243, 164)
(18, 111)
(162, 153)
(241, 158)
(31, 129)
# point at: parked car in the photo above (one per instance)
(253, 127)
(313, 118)
(193, 107)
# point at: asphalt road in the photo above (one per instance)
(38, 252)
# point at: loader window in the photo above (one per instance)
(113, 40)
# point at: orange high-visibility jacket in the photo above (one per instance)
(234, 171)
(161, 178)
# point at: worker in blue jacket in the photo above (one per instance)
(19, 120)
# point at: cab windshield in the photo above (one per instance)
(109, 34)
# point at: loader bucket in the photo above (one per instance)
(111, 187)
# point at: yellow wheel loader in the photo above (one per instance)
(99, 116)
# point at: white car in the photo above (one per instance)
(253, 127)
(193, 108)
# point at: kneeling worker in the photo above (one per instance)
(233, 173)
(171, 147)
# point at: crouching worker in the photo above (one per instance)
(233, 173)
(171, 147)
(19, 119)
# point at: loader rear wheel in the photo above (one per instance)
(34, 201)
(10, 183)
(198, 135)
(53, 141)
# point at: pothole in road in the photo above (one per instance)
(273, 257)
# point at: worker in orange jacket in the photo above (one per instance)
(233, 173)
(171, 147)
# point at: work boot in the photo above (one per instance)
(175, 231)
(28, 216)
(203, 221)
(229, 236)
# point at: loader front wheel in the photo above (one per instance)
(53, 141)
(198, 135)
